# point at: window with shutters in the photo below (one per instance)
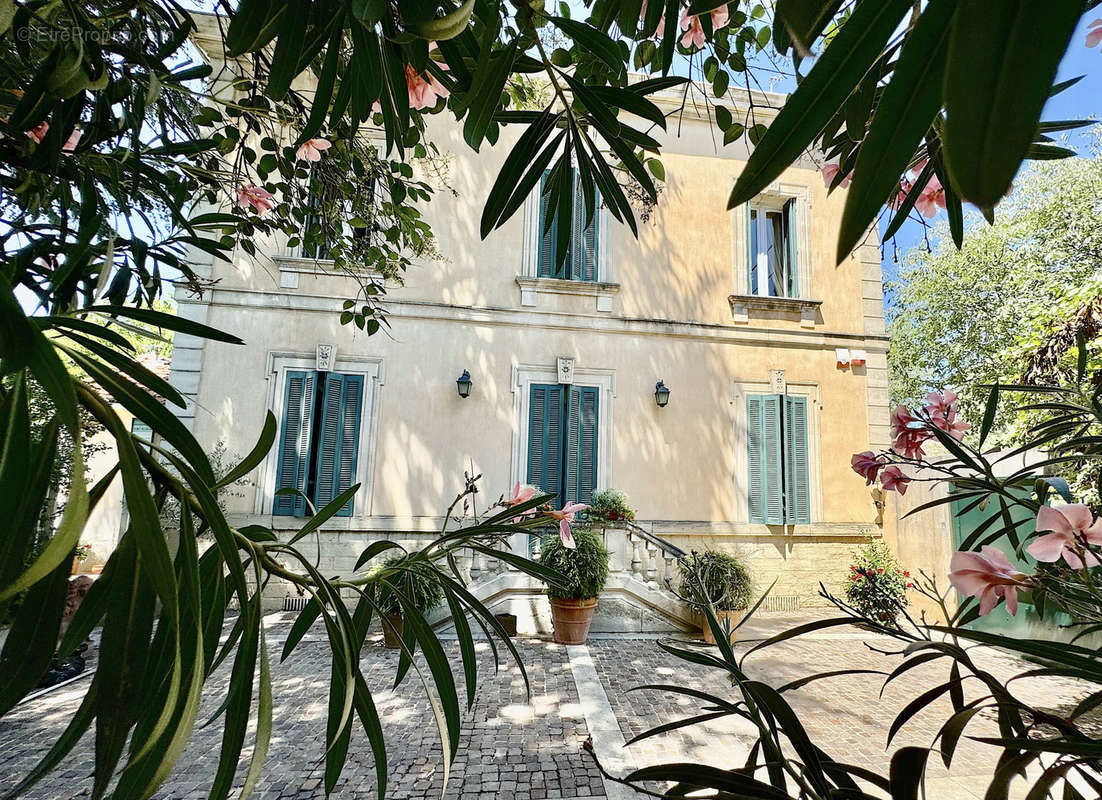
(327, 221)
(582, 250)
(772, 253)
(319, 440)
(778, 483)
(562, 441)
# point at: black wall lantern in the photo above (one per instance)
(463, 384)
(661, 394)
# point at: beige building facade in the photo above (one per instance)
(742, 342)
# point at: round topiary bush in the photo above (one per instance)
(417, 581)
(717, 577)
(877, 585)
(585, 567)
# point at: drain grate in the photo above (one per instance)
(295, 603)
(789, 602)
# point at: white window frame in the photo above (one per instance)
(739, 390)
(371, 368)
(764, 233)
(524, 375)
(773, 199)
(532, 287)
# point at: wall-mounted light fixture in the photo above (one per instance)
(661, 394)
(463, 384)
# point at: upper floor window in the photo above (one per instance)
(328, 219)
(319, 441)
(582, 249)
(772, 252)
(778, 483)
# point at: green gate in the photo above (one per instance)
(999, 620)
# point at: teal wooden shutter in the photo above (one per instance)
(545, 439)
(339, 439)
(294, 442)
(797, 487)
(751, 261)
(587, 443)
(583, 261)
(792, 273)
(545, 259)
(581, 444)
(764, 482)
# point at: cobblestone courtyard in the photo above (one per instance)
(530, 750)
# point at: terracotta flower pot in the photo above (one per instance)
(392, 633)
(572, 619)
(727, 619)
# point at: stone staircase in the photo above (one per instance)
(637, 598)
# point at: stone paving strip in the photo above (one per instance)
(510, 748)
(532, 749)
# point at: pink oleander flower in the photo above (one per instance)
(261, 200)
(311, 149)
(942, 410)
(38, 132)
(1094, 33)
(72, 142)
(987, 575)
(893, 479)
(423, 92)
(1072, 527)
(522, 494)
(908, 433)
(693, 35)
(867, 465)
(830, 171)
(931, 199)
(660, 31)
(565, 517)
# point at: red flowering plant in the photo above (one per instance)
(876, 584)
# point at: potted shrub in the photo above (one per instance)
(720, 579)
(609, 506)
(80, 555)
(876, 585)
(419, 583)
(585, 569)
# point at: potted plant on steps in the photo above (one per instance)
(720, 579)
(609, 507)
(418, 583)
(585, 571)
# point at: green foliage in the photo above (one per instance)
(717, 579)
(876, 585)
(969, 317)
(123, 170)
(609, 505)
(416, 580)
(1036, 751)
(584, 568)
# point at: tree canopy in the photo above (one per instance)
(966, 317)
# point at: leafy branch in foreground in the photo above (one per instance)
(163, 612)
(1055, 752)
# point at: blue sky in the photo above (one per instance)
(1079, 102)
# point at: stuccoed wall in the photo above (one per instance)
(668, 318)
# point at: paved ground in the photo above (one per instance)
(515, 749)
